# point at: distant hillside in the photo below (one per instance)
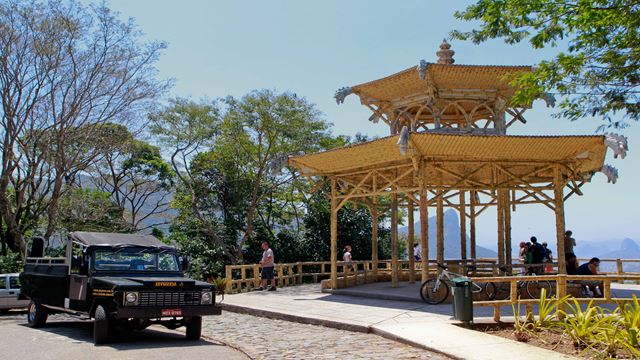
(451, 237)
(628, 249)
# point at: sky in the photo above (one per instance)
(312, 48)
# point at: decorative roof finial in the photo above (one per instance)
(445, 54)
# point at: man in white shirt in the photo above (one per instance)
(267, 267)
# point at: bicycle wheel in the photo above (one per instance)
(498, 291)
(535, 287)
(434, 295)
(489, 289)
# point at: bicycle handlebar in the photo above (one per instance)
(442, 266)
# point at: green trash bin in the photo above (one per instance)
(462, 299)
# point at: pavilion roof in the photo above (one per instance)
(408, 82)
(458, 154)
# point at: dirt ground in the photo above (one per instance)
(545, 339)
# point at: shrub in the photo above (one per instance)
(11, 263)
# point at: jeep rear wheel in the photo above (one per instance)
(37, 315)
(101, 326)
(194, 328)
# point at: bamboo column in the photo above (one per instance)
(500, 208)
(424, 234)
(463, 226)
(507, 227)
(410, 242)
(334, 235)
(374, 238)
(558, 192)
(394, 239)
(472, 224)
(440, 225)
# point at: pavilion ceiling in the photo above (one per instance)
(456, 162)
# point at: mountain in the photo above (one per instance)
(628, 249)
(451, 237)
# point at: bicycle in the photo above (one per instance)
(532, 287)
(436, 290)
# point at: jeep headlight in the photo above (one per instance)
(206, 298)
(131, 298)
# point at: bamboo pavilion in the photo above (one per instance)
(448, 147)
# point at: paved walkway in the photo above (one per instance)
(262, 338)
(421, 325)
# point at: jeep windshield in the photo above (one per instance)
(135, 259)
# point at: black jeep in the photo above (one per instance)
(119, 280)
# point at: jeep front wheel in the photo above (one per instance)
(37, 315)
(194, 328)
(101, 326)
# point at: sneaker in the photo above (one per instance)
(258, 289)
(273, 288)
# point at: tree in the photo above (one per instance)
(186, 129)
(65, 71)
(260, 131)
(90, 210)
(354, 228)
(137, 178)
(600, 71)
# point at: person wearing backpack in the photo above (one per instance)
(537, 255)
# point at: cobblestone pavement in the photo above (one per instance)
(263, 338)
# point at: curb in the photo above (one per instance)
(231, 345)
(390, 336)
(295, 318)
(344, 292)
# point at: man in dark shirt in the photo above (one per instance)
(537, 255)
(588, 269)
(572, 265)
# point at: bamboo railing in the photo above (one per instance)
(247, 277)
(560, 284)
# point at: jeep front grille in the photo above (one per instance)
(165, 298)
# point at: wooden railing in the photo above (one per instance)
(246, 277)
(560, 284)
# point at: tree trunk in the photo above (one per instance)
(251, 213)
(53, 206)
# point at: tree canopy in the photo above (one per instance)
(598, 74)
(68, 70)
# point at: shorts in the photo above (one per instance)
(267, 273)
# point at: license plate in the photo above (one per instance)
(171, 312)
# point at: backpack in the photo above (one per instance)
(537, 253)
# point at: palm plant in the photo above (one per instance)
(630, 320)
(583, 326)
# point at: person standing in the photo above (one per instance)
(521, 253)
(569, 244)
(267, 263)
(537, 255)
(347, 258)
(548, 257)
(417, 251)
